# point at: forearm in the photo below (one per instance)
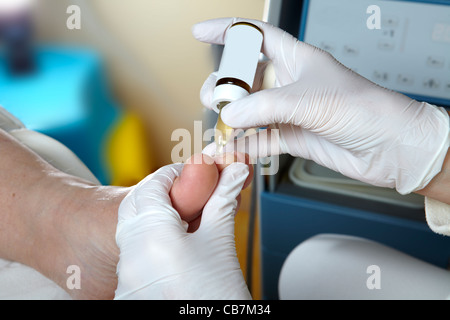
(439, 187)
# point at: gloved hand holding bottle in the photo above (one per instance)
(329, 114)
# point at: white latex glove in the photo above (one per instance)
(329, 114)
(160, 260)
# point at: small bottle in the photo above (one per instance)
(236, 73)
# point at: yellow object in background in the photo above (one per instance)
(128, 152)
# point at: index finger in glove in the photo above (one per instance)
(218, 213)
(151, 191)
(263, 143)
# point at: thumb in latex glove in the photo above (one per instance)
(159, 259)
(327, 113)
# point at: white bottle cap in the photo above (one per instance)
(239, 62)
(227, 93)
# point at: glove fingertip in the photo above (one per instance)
(206, 92)
(242, 113)
(210, 149)
(218, 213)
(211, 31)
(231, 181)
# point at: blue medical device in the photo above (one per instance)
(409, 53)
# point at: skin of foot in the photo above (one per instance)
(51, 220)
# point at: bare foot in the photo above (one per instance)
(76, 228)
(51, 221)
(83, 235)
(80, 227)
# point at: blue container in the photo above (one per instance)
(287, 220)
(66, 98)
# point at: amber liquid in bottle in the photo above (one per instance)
(223, 132)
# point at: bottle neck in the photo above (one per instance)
(222, 104)
(248, 24)
(234, 81)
